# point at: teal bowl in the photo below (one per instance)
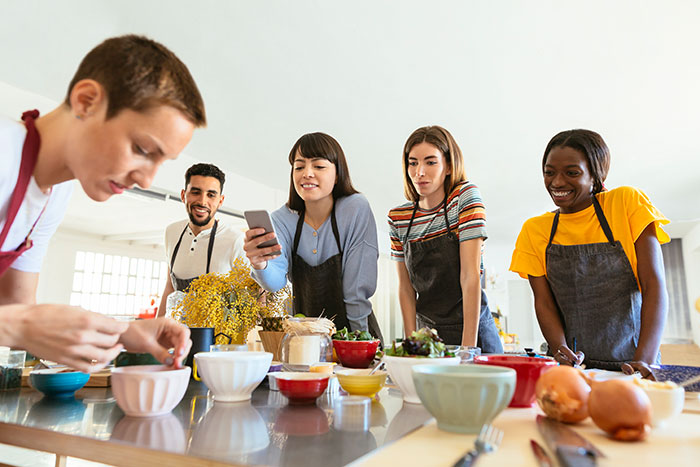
(58, 385)
(463, 398)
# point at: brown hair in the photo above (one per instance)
(138, 73)
(443, 140)
(593, 148)
(320, 145)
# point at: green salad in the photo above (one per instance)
(345, 335)
(424, 342)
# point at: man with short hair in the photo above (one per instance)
(200, 244)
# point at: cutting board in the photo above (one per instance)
(101, 379)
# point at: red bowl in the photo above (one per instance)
(528, 371)
(356, 354)
(301, 388)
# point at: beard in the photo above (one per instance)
(196, 221)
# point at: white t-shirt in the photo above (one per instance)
(191, 260)
(12, 135)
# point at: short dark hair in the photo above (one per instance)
(205, 170)
(320, 145)
(138, 73)
(445, 142)
(593, 148)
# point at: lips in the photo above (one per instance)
(560, 194)
(308, 186)
(117, 188)
(200, 210)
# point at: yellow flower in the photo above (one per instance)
(231, 303)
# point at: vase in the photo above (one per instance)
(271, 342)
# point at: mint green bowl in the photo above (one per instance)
(462, 398)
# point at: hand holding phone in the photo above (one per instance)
(260, 220)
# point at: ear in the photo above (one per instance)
(221, 201)
(87, 97)
(182, 196)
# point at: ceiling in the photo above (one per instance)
(503, 77)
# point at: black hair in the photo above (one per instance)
(593, 148)
(205, 170)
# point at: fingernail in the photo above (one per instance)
(169, 361)
(181, 352)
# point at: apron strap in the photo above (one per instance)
(209, 249)
(601, 219)
(30, 151)
(300, 225)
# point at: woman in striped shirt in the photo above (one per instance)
(436, 240)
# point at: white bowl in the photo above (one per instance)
(399, 369)
(232, 376)
(666, 403)
(149, 390)
(229, 430)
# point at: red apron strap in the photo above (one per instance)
(30, 151)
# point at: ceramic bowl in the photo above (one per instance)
(232, 376)
(463, 398)
(399, 369)
(667, 400)
(149, 390)
(355, 354)
(678, 374)
(230, 429)
(301, 388)
(56, 382)
(359, 382)
(528, 371)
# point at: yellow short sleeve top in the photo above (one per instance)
(627, 209)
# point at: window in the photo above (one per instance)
(117, 286)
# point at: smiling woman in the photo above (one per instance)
(594, 264)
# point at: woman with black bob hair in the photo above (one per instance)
(594, 264)
(327, 239)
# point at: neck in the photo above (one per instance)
(196, 229)
(432, 200)
(51, 166)
(316, 212)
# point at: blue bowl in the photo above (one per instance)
(678, 374)
(55, 384)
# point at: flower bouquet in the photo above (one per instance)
(231, 303)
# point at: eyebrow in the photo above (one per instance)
(199, 189)
(432, 156)
(304, 159)
(577, 166)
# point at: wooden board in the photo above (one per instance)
(101, 379)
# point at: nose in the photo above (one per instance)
(308, 172)
(557, 181)
(144, 176)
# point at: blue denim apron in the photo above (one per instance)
(433, 267)
(598, 297)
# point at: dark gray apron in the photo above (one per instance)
(598, 297)
(183, 284)
(319, 289)
(433, 267)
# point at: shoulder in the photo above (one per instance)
(175, 228)
(538, 223)
(401, 212)
(284, 215)
(224, 228)
(357, 202)
(623, 193)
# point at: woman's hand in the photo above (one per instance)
(258, 257)
(69, 335)
(566, 356)
(157, 336)
(642, 368)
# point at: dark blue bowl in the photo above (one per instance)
(54, 384)
(678, 374)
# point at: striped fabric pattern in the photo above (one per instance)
(465, 209)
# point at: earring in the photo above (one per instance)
(79, 117)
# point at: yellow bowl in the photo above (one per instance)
(359, 382)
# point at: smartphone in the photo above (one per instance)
(261, 219)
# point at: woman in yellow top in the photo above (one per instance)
(595, 264)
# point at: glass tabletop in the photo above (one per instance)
(265, 430)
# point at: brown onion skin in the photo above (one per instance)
(621, 409)
(562, 393)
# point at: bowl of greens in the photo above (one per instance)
(421, 347)
(355, 349)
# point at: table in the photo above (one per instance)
(199, 431)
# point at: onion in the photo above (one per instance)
(621, 409)
(562, 393)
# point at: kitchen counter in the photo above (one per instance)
(264, 431)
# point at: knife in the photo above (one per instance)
(540, 454)
(572, 449)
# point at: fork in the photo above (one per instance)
(488, 440)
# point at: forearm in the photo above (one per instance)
(407, 302)
(164, 299)
(547, 314)
(471, 304)
(654, 310)
(18, 287)
(11, 324)
(273, 277)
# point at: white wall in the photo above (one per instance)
(691, 258)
